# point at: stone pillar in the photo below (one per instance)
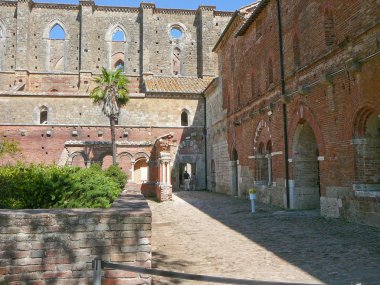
(87, 26)
(165, 185)
(163, 167)
(146, 34)
(148, 172)
(269, 157)
(206, 42)
(24, 8)
(132, 171)
(168, 173)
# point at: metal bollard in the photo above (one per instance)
(253, 206)
(97, 267)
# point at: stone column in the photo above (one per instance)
(146, 34)
(269, 156)
(24, 8)
(163, 166)
(205, 31)
(148, 171)
(86, 53)
(132, 171)
(168, 173)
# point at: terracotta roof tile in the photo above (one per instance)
(188, 85)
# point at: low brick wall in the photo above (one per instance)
(57, 246)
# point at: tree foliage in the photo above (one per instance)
(112, 93)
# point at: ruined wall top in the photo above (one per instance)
(145, 39)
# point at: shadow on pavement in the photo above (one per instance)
(333, 251)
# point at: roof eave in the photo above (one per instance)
(252, 18)
(234, 15)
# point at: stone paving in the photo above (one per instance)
(213, 234)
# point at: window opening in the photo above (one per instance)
(176, 33)
(184, 119)
(119, 65)
(57, 33)
(118, 36)
(176, 61)
(43, 115)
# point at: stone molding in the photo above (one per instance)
(55, 6)
(117, 9)
(8, 3)
(108, 143)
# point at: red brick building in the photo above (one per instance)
(331, 99)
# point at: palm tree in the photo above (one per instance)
(111, 92)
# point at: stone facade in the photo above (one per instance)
(58, 246)
(45, 79)
(331, 60)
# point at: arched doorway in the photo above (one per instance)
(125, 163)
(367, 150)
(140, 171)
(306, 193)
(191, 168)
(78, 161)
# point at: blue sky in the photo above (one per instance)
(222, 5)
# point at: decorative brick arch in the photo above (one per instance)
(303, 113)
(359, 121)
(75, 154)
(127, 154)
(141, 155)
(262, 135)
(101, 154)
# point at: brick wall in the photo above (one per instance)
(58, 246)
(331, 51)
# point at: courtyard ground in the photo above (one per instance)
(213, 234)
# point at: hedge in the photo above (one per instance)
(45, 187)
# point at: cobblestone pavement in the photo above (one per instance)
(213, 234)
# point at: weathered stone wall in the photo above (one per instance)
(69, 109)
(58, 246)
(88, 42)
(218, 160)
(331, 63)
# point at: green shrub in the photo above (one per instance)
(39, 186)
(115, 172)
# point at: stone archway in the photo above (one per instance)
(78, 161)
(125, 164)
(306, 191)
(141, 171)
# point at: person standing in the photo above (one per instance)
(186, 178)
